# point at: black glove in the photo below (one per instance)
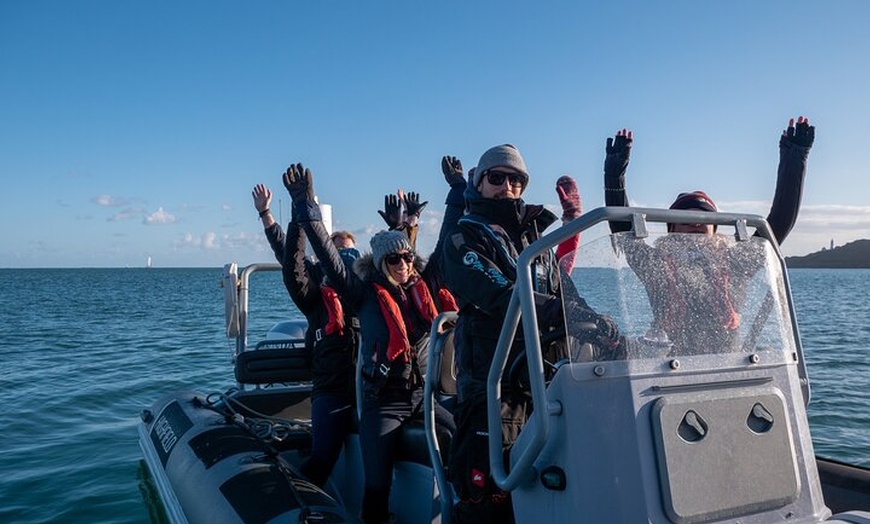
(600, 330)
(299, 183)
(618, 151)
(392, 213)
(452, 169)
(412, 204)
(607, 332)
(801, 135)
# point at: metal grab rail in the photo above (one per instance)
(521, 307)
(244, 277)
(437, 337)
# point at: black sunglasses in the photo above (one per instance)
(497, 178)
(393, 259)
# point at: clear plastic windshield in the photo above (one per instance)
(677, 295)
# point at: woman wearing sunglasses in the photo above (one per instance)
(395, 308)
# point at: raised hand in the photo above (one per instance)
(452, 169)
(618, 151)
(413, 207)
(802, 134)
(262, 197)
(299, 183)
(569, 197)
(392, 213)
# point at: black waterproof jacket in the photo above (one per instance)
(332, 356)
(480, 269)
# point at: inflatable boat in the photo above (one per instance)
(688, 424)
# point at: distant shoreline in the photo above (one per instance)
(854, 255)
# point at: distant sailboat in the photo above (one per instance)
(148, 263)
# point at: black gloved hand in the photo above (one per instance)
(802, 134)
(299, 183)
(597, 329)
(392, 213)
(618, 152)
(607, 333)
(452, 169)
(413, 207)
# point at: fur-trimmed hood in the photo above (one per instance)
(365, 269)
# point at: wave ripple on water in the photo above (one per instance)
(85, 350)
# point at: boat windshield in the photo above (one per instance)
(675, 295)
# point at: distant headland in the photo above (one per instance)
(852, 255)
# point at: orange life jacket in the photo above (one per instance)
(334, 311)
(399, 346)
(448, 303)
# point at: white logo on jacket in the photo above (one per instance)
(472, 260)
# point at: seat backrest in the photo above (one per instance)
(447, 382)
(274, 361)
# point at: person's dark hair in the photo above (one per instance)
(342, 235)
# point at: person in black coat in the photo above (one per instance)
(480, 255)
(331, 336)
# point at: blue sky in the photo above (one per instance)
(136, 129)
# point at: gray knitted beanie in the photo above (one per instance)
(386, 242)
(505, 155)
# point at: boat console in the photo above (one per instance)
(698, 416)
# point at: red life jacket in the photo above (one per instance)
(334, 311)
(448, 303)
(399, 346)
(677, 312)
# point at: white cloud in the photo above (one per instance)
(125, 214)
(159, 217)
(211, 241)
(108, 201)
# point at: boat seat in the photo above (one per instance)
(274, 361)
(447, 377)
(413, 447)
(445, 381)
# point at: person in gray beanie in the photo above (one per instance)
(480, 256)
(387, 242)
(504, 156)
(395, 309)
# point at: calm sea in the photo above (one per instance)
(84, 350)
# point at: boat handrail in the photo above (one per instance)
(521, 307)
(437, 339)
(244, 278)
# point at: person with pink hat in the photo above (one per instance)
(697, 286)
(794, 149)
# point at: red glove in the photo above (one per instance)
(569, 197)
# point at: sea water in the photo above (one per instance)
(85, 350)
